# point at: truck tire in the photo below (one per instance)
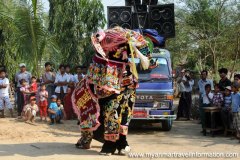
(166, 125)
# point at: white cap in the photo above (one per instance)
(229, 88)
(22, 65)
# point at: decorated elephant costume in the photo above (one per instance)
(109, 88)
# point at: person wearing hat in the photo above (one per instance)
(22, 74)
(224, 81)
(226, 114)
(54, 112)
(30, 110)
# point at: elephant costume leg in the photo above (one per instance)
(85, 141)
(117, 113)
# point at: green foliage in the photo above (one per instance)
(73, 22)
(207, 35)
(25, 37)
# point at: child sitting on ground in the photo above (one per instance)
(4, 94)
(207, 101)
(30, 110)
(226, 114)
(43, 102)
(54, 112)
(217, 97)
(235, 109)
(61, 109)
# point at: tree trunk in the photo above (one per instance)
(236, 55)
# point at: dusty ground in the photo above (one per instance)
(19, 140)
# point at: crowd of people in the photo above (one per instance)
(49, 96)
(224, 94)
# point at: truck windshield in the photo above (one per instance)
(160, 71)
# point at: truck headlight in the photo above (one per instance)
(156, 104)
(160, 105)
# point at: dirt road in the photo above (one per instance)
(19, 140)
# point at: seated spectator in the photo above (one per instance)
(61, 109)
(30, 110)
(54, 112)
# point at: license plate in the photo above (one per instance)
(140, 114)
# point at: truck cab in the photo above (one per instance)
(154, 97)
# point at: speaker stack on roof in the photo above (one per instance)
(120, 16)
(145, 14)
(161, 18)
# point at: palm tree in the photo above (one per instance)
(23, 25)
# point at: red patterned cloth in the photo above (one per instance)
(68, 107)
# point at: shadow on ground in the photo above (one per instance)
(43, 149)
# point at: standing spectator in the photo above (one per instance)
(4, 94)
(43, 103)
(237, 78)
(23, 74)
(61, 82)
(68, 107)
(185, 103)
(235, 109)
(202, 83)
(224, 81)
(207, 99)
(79, 75)
(34, 85)
(25, 89)
(48, 78)
(217, 97)
(226, 113)
(70, 76)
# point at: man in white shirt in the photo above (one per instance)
(203, 81)
(70, 76)
(207, 99)
(4, 94)
(186, 83)
(22, 74)
(61, 82)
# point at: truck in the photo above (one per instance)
(154, 97)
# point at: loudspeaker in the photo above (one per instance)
(150, 2)
(132, 2)
(161, 18)
(140, 8)
(120, 16)
(140, 20)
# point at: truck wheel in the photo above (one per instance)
(166, 125)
